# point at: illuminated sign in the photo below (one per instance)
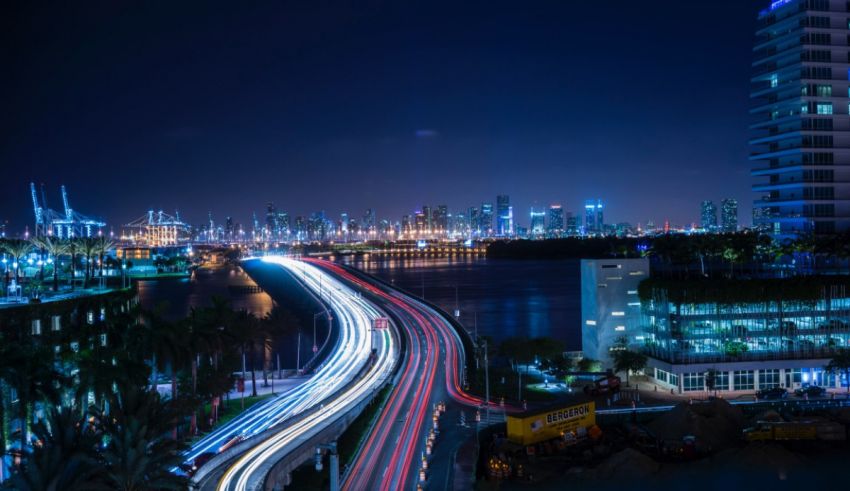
(381, 323)
(778, 3)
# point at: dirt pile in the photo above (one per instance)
(715, 424)
(626, 464)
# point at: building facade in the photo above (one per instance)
(729, 215)
(801, 133)
(610, 309)
(708, 216)
(504, 218)
(743, 331)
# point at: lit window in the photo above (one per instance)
(590, 323)
(634, 304)
(632, 292)
(824, 108)
(774, 80)
(618, 314)
(620, 328)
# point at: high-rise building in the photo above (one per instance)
(593, 218)
(555, 228)
(801, 140)
(538, 225)
(708, 216)
(729, 215)
(572, 222)
(369, 221)
(503, 215)
(440, 220)
(474, 221)
(486, 219)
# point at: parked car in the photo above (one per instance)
(810, 390)
(774, 393)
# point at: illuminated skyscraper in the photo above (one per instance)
(708, 216)
(729, 215)
(504, 215)
(538, 226)
(801, 137)
(486, 219)
(593, 218)
(555, 228)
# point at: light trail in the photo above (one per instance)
(427, 331)
(337, 384)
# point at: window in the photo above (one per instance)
(721, 381)
(824, 108)
(744, 380)
(823, 90)
(774, 80)
(56, 323)
(661, 375)
(769, 379)
(693, 382)
(674, 379)
(620, 328)
(36, 327)
(618, 313)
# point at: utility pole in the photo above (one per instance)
(487, 381)
(334, 458)
(298, 355)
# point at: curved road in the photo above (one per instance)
(345, 379)
(391, 455)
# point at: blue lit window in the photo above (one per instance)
(824, 108)
(774, 80)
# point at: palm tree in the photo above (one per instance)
(53, 247)
(18, 249)
(73, 247)
(102, 246)
(64, 459)
(140, 454)
(88, 246)
(35, 379)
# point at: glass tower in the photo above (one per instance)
(801, 132)
(503, 215)
(708, 216)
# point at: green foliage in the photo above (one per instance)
(737, 291)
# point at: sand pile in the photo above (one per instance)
(626, 464)
(716, 424)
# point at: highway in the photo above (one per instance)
(341, 381)
(431, 372)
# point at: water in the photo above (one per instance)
(177, 296)
(508, 297)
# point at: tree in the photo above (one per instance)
(140, 454)
(18, 249)
(840, 364)
(102, 246)
(711, 380)
(55, 248)
(64, 459)
(627, 361)
(88, 246)
(588, 365)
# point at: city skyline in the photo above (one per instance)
(123, 145)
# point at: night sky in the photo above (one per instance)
(390, 105)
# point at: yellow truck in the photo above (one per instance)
(796, 430)
(564, 422)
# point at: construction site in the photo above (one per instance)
(703, 444)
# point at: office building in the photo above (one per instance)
(440, 220)
(610, 309)
(555, 227)
(594, 222)
(708, 216)
(504, 215)
(538, 225)
(486, 219)
(750, 338)
(729, 215)
(801, 133)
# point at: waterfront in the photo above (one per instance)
(509, 297)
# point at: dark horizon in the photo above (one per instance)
(315, 108)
